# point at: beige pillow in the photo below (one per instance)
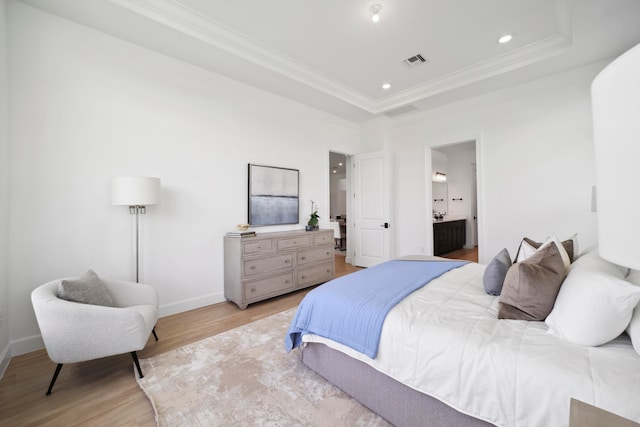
(531, 286)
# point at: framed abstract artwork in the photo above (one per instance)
(273, 195)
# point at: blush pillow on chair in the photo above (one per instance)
(86, 289)
(531, 286)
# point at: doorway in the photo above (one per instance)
(338, 208)
(454, 195)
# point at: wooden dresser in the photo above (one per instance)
(271, 264)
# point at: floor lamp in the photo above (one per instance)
(136, 192)
(615, 98)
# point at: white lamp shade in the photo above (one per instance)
(615, 96)
(135, 191)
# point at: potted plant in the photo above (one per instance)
(312, 224)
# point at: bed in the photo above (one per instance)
(444, 358)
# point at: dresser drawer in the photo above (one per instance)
(313, 255)
(260, 246)
(254, 267)
(323, 239)
(269, 264)
(293, 242)
(259, 289)
(315, 274)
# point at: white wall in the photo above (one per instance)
(536, 164)
(439, 163)
(460, 182)
(4, 193)
(86, 107)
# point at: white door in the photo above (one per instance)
(371, 208)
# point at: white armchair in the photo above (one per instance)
(74, 332)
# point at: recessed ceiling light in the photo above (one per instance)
(335, 171)
(386, 86)
(505, 39)
(375, 10)
(340, 164)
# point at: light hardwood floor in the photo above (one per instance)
(465, 254)
(104, 392)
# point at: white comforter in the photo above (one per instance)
(446, 341)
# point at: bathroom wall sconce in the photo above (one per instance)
(440, 177)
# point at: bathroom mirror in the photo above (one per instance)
(439, 192)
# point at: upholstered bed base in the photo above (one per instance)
(397, 403)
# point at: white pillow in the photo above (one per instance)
(634, 329)
(525, 251)
(594, 304)
(634, 326)
(634, 277)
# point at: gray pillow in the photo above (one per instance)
(87, 289)
(531, 286)
(495, 273)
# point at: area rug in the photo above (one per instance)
(244, 377)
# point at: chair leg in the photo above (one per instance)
(154, 333)
(135, 360)
(55, 377)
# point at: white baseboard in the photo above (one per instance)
(26, 345)
(191, 304)
(5, 358)
(33, 343)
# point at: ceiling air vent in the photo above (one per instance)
(414, 61)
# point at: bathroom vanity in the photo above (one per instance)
(449, 234)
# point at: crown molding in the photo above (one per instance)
(185, 20)
(528, 55)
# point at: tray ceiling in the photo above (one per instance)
(331, 56)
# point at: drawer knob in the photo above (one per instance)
(304, 277)
(328, 253)
(253, 267)
(253, 289)
(286, 281)
(286, 261)
(295, 243)
(303, 257)
(328, 270)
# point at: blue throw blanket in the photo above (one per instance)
(351, 309)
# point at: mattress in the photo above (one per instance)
(445, 340)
